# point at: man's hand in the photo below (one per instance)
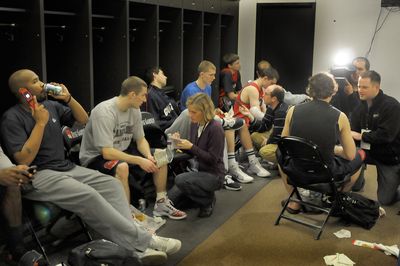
(348, 88)
(64, 96)
(14, 176)
(148, 166)
(40, 113)
(356, 135)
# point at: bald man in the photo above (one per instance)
(31, 134)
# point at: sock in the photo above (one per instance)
(231, 159)
(161, 195)
(251, 155)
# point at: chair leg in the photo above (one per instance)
(38, 242)
(284, 207)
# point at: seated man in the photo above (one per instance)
(31, 134)
(112, 126)
(11, 179)
(164, 109)
(376, 124)
(229, 82)
(319, 122)
(274, 119)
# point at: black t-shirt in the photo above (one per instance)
(17, 125)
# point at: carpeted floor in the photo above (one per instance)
(249, 237)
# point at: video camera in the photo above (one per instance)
(343, 74)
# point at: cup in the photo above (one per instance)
(163, 156)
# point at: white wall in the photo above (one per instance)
(339, 24)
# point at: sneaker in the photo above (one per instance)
(168, 245)
(165, 207)
(232, 123)
(229, 184)
(239, 175)
(256, 168)
(152, 257)
(206, 211)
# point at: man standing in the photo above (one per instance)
(113, 124)
(376, 124)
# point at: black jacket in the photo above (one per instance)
(382, 118)
(164, 108)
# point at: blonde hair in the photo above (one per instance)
(203, 103)
(205, 66)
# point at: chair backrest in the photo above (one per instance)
(154, 135)
(302, 161)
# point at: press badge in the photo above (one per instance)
(365, 145)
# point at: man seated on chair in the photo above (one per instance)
(319, 122)
(229, 82)
(164, 109)
(376, 124)
(31, 135)
(11, 179)
(112, 126)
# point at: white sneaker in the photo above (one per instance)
(164, 207)
(167, 245)
(152, 257)
(239, 175)
(256, 168)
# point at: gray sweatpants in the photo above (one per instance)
(97, 198)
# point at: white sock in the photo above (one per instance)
(251, 155)
(231, 159)
(161, 195)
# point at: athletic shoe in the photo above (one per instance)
(256, 168)
(152, 257)
(239, 175)
(232, 123)
(229, 184)
(164, 207)
(168, 245)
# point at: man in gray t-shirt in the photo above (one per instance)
(113, 125)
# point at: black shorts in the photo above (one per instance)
(342, 168)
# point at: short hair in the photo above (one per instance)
(364, 59)
(263, 64)
(203, 103)
(204, 66)
(372, 75)
(269, 72)
(132, 83)
(17, 80)
(279, 93)
(149, 73)
(229, 59)
(321, 86)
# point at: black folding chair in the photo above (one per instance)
(302, 161)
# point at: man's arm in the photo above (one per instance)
(32, 145)
(227, 86)
(286, 127)
(348, 150)
(253, 96)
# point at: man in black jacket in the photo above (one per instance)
(163, 107)
(376, 124)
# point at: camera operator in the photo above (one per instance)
(346, 99)
(375, 123)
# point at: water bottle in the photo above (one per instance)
(170, 146)
(52, 89)
(142, 205)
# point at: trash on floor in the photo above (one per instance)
(389, 250)
(338, 260)
(343, 233)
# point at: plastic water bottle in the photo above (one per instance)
(170, 147)
(142, 205)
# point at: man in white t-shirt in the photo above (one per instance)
(113, 124)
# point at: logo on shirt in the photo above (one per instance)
(168, 109)
(54, 120)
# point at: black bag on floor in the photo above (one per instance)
(357, 209)
(98, 252)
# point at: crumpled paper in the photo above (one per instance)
(343, 233)
(389, 250)
(338, 260)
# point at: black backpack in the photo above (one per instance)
(98, 252)
(357, 209)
